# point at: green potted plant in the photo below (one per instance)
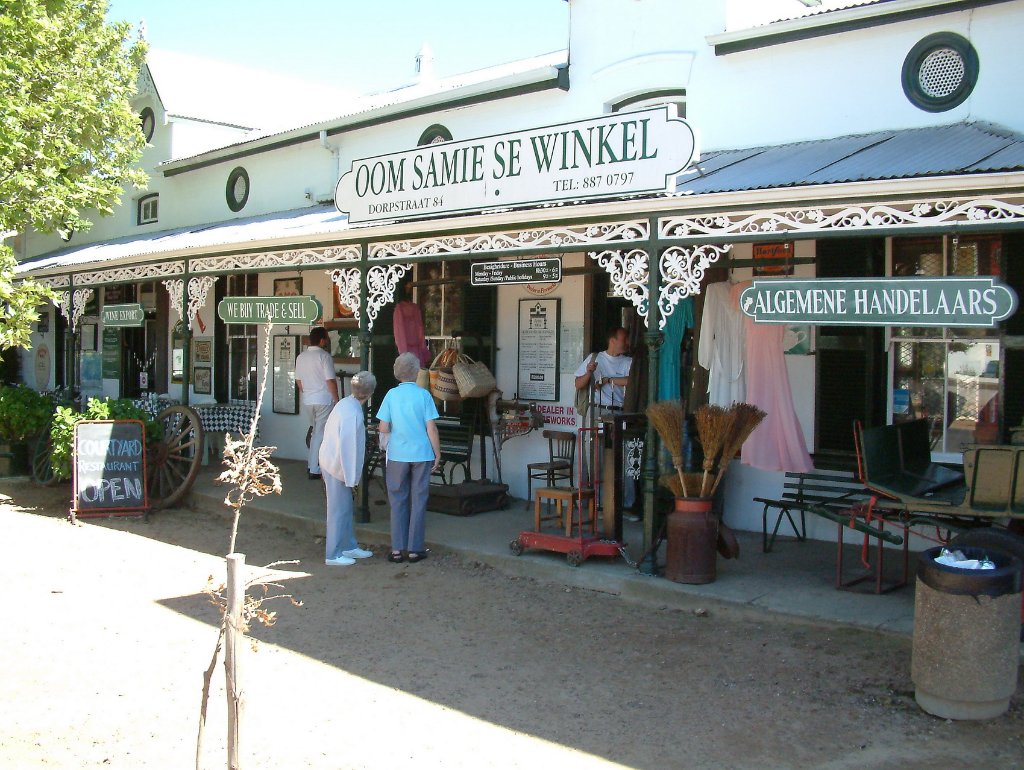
(694, 532)
(24, 414)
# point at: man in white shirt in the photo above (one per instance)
(606, 375)
(607, 372)
(318, 389)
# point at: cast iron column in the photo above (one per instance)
(364, 365)
(186, 342)
(653, 337)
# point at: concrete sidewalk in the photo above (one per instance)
(796, 579)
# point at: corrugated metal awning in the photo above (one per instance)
(961, 148)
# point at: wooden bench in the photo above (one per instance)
(456, 442)
(824, 493)
(839, 497)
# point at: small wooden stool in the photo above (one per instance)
(571, 496)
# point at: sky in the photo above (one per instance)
(359, 45)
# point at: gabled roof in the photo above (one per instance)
(238, 96)
(427, 95)
(960, 148)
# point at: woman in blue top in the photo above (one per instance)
(409, 436)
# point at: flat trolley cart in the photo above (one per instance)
(575, 509)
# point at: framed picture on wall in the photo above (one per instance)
(202, 350)
(288, 287)
(202, 380)
(286, 347)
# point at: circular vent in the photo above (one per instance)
(940, 72)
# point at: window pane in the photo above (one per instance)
(917, 256)
(974, 386)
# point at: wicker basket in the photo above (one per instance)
(473, 378)
(443, 386)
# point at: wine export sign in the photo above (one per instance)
(619, 154)
(912, 301)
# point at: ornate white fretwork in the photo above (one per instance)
(198, 288)
(297, 258)
(633, 448)
(553, 237)
(72, 306)
(381, 281)
(131, 274)
(347, 279)
(682, 271)
(943, 213)
(54, 281)
(628, 271)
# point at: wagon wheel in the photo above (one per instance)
(516, 547)
(42, 460)
(575, 558)
(172, 463)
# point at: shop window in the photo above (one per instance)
(440, 294)
(149, 209)
(947, 375)
(242, 348)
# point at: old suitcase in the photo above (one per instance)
(467, 498)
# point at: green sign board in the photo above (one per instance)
(914, 301)
(275, 310)
(111, 361)
(130, 314)
(516, 271)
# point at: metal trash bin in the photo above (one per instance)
(966, 635)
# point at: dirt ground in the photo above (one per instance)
(445, 664)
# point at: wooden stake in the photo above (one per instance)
(234, 636)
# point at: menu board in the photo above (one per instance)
(538, 349)
(109, 468)
(111, 354)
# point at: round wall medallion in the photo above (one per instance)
(148, 122)
(237, 190)
(540, 289)
(434, 134)
(940, 72)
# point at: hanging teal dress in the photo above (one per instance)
(670, 360)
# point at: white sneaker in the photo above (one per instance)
(339, 561)
(357, 553)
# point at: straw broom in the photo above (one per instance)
(713, 428)
(667, 419)
(743, 418)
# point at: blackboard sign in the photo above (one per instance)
(109, 468)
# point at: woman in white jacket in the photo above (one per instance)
(341, 462)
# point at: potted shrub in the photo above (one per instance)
(24, 414)
(694, 532)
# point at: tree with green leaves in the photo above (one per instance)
(69, 139)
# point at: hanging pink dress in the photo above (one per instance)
(408, 327)
(777, 444)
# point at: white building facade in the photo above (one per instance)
(869, 140)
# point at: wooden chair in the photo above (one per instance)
(572, 499)
(560, 463)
